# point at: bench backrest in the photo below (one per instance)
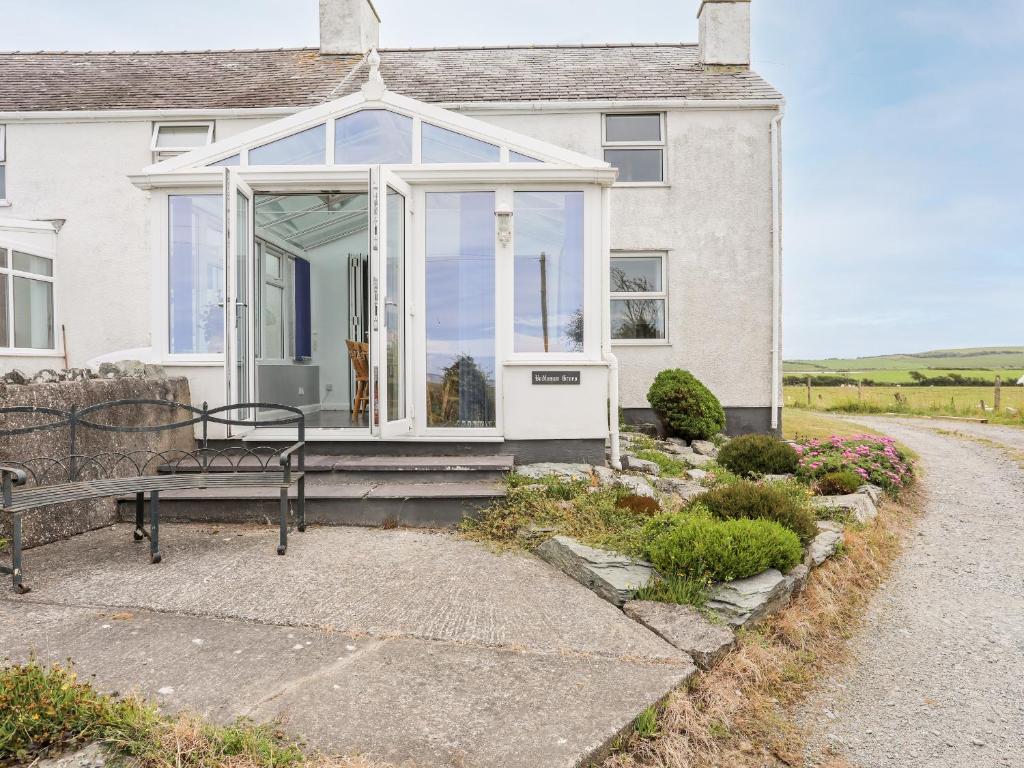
(75, 466)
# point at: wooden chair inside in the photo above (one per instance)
(359, 355)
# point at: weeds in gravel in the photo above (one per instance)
(44, 710)
(741, 713)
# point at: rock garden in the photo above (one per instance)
(698, 536)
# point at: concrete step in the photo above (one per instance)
(426, 505)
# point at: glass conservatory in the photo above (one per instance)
(396, 270)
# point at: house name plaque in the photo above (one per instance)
(557, 378)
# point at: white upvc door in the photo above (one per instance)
(239, 265)
(392, 332)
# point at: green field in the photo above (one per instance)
(978, 363)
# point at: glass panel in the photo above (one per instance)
(636, 274)
(3, 257)
(182, 136)
(373, 136)
(4, 339)
(242, 239)
(3, 182)
(636, 164)
(632, 128)
(394, 305)
(196, 274)
(308, 147)
(548, 271)
(272, 322)
(443, 146)
(460, 315)
(37, 265)
(272, 264)
(638, 318)
(515, 157)
(227, 162)
(33, 314)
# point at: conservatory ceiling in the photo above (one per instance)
(306, 222)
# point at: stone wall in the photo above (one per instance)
(80, 389)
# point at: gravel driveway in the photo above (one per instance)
(938, 676)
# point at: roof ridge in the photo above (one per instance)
(412, 49)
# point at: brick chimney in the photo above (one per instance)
(725, 34)
(348, 26)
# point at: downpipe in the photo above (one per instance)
(613, 409)
(776, 134)
(615, 460)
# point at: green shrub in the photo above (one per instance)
(751, 455)
(694, 547)
(762, 502)
(839, 483)
(688, 408)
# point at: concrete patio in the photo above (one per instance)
(405, 646)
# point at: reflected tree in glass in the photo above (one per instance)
(638, 318)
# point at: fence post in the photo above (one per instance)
(73, 444)
(999, 393)
(860, 391)
(808, 391)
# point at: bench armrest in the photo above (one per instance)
(286, 459)
(10, 477)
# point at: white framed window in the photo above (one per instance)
(639, 298)
(635, 144)
(3, 165)
(276, 307)
(26, 301)
(172, 139)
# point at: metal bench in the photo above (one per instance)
(44, 481)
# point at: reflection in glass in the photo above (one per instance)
(228, 162)
(196, 274)
(394, 304)
(4, 340)
(638, 318)
(549, 272)
(308, 147)
(636, 274)
(242, 239)
(632, 127)
(33, 314)
(460, 314)
(636, 165)
(443, 146)
(373, 136)
(516, 157)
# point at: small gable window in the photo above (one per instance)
(373, 136)
(516, 157)
(635, 144)
(443, 146)
(3, 164)
(308, 147)
(172, 139)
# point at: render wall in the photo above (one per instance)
(712, 216)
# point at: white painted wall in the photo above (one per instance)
(713, 217)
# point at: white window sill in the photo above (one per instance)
(5, 203)
(20, 352)
(641, 343)
(641, 184)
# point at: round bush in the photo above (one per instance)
(752, 455)
(688, 408)
(699, 547)
(761, 502)
(839, 483)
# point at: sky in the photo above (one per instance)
(904, 215)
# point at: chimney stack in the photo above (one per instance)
(348, 26)
(725, 34)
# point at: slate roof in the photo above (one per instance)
(60, 81)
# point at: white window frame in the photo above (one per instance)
(4, 202)
(165, 153)
(661, 295)
(284, 282)
(10, 273)
(661, 144)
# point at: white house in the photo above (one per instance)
(515, 237)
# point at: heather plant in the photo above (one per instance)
(784, 503)
(873, 458)
(752, 455)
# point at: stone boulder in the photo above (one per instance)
(822, 547)
(611, 575)
(606, 476)
(704, 448)
(636, 485)
(562, 471)
(685, 489)
(642, 465)
(15, 376)
(873, 491)
(46, 376)
(685, 628)
(858, 506)
(697, 474)
(799, 574)
(745, 602)
(776, 478)
(697, 460)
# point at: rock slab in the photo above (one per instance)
(563, 471)
(858, 506)
(822, 547)
(684, 627)
(615, 577)
(745, 602)
(704, 448)
(636, 485)
(642, 465)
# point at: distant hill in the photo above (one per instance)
(1006, 361)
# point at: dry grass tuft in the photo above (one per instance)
(740, 714)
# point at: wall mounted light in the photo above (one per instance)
(504, 217)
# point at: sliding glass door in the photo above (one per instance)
(238, 262)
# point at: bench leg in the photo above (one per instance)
(301, 503)
(140, 506)
(16, 542)
(154, 527)
(282, 545)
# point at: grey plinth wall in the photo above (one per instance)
(60, 521)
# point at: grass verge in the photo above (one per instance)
(46, 710)
(742, 713)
